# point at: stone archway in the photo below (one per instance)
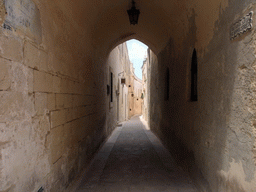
(53, 90)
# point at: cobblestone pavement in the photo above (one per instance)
(133, 159)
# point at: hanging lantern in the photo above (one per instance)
(133, 14)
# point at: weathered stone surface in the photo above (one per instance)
(34, 57)
(57, 118)
(14, 106)
(43, 82)
(83, 111)
(64, 101)
(53, 63)
(40, 103)
(79, 130)
(2, 12)
(68, 101)
(56, 84)
(23, 16)
(20, 77)
(78, 100)
(60, 101)
(55, 142)
(11, 47)
(5, 135)
(68, 134)
(70, 114)
(66, 86)
(51, 101)
(30, 80)
(5, 81)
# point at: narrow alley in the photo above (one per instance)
(67, 80)
(133, 159)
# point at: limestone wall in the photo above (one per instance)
(145, 91)
(135, 94)
(52, 109)
(118, 64)
(214, 137)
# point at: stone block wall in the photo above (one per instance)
(47, 120)
(52, 111)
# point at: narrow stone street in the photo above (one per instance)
(133, 159)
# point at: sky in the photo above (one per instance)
(137, 52)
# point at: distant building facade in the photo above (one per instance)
(125, 90)
(118, 79)
(145, 68)
(135, 94)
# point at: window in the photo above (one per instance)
(167, 84)
(111, 87)
(193, 95)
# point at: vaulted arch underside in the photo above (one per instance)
(54, 78)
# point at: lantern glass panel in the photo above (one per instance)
(133, 15)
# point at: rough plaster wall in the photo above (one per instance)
(216, 134)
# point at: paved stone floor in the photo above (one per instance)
(133, 159)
